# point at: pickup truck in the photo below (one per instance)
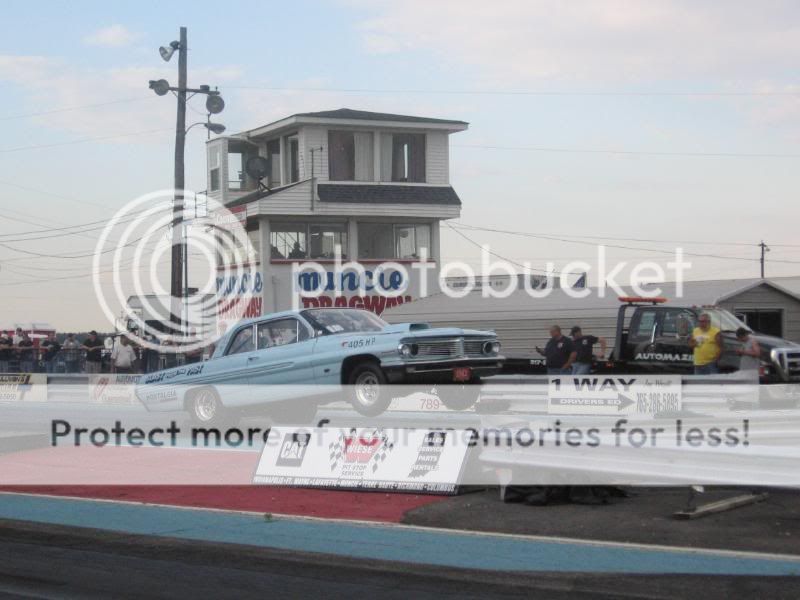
(656, 339)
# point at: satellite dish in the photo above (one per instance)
(257, 167)
(215, 104)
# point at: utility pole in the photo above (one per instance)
(178, 239)
(214, 105)
(764, 250)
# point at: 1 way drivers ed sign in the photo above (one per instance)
(613, 395)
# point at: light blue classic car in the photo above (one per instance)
(300, 358)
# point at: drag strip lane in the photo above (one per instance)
(392, 543)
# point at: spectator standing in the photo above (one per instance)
(706, 340)
(749, 364)
(584, 350)
(6, 349)
(750, 352)
(25, 353)
(17, 337)
(558, 352)
(51, 349)
(151, 360)
(94, 352)
(123, 357)
(72, 356)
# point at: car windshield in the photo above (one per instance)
(342, 320)
(723, 320)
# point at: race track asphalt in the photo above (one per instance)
(51, 561)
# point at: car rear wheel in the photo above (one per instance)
(205, 407)
(368, 393)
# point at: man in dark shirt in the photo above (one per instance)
(25, 353)
(52, 348)
(6, 343)
(558, 352)
(584, 350)
(94, 352)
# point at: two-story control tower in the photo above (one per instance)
(375, 184)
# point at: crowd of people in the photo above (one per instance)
(93, 354)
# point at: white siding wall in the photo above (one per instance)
(217, 148)
(437, 158)
(765, 297)
(314, 137)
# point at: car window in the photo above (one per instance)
(242, 342)
(643, 328)
(280, 333)
(677, 322)
(344, 320)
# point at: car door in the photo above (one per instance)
(282, 365)
(230, 372)
(671, 343)
(641, 336)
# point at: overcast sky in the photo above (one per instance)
(674, 121)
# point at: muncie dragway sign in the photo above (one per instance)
(419, 460)
(613, 395)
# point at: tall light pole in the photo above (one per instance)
(214, 104)
(178, 238)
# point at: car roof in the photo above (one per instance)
(291, 313)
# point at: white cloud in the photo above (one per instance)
(113, 36)
(591, 42)
(52, 84)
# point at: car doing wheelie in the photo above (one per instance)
(294, 360)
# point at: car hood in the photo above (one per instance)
(767, 342)
(425, 330)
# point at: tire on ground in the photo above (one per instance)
(206, 409)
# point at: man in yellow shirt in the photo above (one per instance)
(707, 344)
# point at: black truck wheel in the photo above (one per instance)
(459, 396)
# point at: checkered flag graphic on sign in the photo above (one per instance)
(336, 451)
(338, 448)
(380, 454)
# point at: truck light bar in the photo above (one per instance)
(642, 300)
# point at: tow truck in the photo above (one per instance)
(656, 339)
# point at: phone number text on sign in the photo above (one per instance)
(614, 395)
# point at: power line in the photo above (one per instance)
(63, 230)
(627, 152)
(474, 243)
(49, 193)
(91, 254)
(81, 141)
(638, 248)
(600, 237)
(73, 108)
(476, 92)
